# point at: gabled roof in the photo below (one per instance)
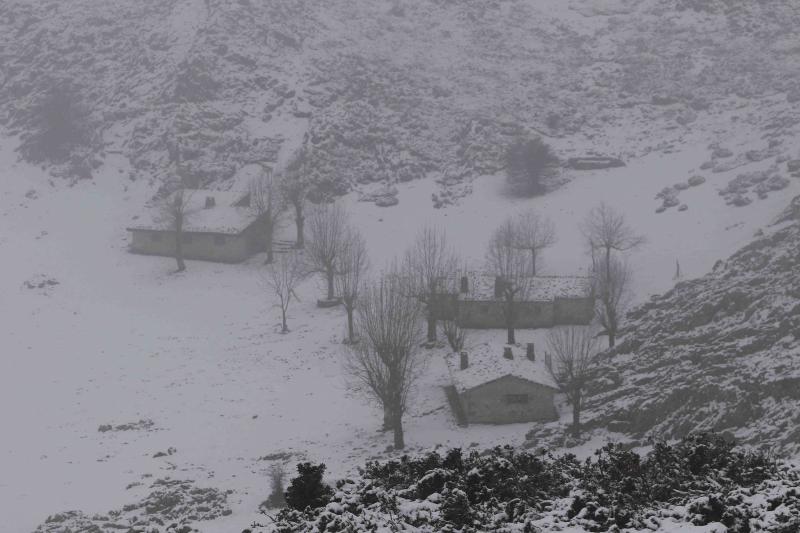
(541, 288)
(229, 215)
(487, 364)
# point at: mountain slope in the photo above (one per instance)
(720, 353)
(389, 90)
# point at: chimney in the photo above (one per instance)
(499, 285)
(530, 351)
(210, 202)
(464, 360)
(507, 352)
(464, 285)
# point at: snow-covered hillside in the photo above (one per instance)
(390, 90)
(121, 339)
(117, 373)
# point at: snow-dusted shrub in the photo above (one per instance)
(307, 489)
(700, 480)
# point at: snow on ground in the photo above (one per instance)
(122, 339)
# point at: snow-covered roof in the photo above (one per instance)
(486, 364)
(226, 216)
(541, 289)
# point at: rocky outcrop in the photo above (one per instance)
(720, 353)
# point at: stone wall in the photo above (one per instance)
(203, 246)
(490, 403)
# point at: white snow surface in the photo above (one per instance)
(122, 338)
(224, 217)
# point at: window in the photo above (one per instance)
(155, 236)
(219, 240)
(186, 238)
(516, 398)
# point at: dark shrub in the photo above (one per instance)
(60, 123)
(529, 164)
(307, 489)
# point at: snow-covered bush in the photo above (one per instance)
(307, 490)
(700, 480)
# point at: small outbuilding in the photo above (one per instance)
(219, 226)
(475, 301)
(501, 385)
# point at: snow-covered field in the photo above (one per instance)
(121, 338)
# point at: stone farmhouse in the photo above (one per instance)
(474, 300)
(219, 226)
(500, 385)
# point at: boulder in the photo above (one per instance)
(386, 201)
(721, 153)
(594, 163)
(694, 181)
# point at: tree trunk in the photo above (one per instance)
(431, 329)
(576, 415)
(511, 339)
(397, 425)
(299, 219)
(350, 333)
(612, 337)
(387, 418)
(533, 261)
(268, 243)
(330, 275)
(285, 328)
(179, 249)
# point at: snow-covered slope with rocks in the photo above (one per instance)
(394, 90)
(717, 353)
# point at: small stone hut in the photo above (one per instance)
(219, 226)
(496, 384)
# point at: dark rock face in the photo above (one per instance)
(720, 353)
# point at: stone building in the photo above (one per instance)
(475, 300)
(219, 226)
(500, 385)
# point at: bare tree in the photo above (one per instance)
(268, 206)
(282, 277)
(174, 212)
(327, 228)
(295, 184)
(606, 231)
(534, 234)
(612, 289)
(572, 353)
(351, 266)
(511, 268)
(456, 335)
(384, 361)
(429, 262)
